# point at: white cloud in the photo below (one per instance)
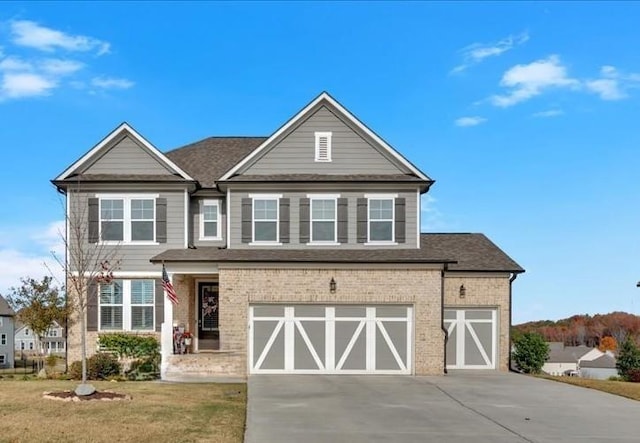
(56, 66)
(612, 84)
(470, 121)
(112, 83)
(19, 85)
(477, 52)
(431, 219)
(549, 113)
(14, 64)
(528, 81)
(31, 34)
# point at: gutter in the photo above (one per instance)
(446, 333)
(511, 280)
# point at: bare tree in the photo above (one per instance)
(88, 260)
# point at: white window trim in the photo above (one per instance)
(335, 198)
(255, 242)
(210, 202)
(126, 309)
(126, 229)
(391, 197)
(318, 136)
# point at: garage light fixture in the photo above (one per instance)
(332, 286)
(463, 291)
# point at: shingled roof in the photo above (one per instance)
(462, 252)
(207, 160)
(5, 309)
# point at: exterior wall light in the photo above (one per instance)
(463, 291)
(332, 286)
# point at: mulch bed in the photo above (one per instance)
(96, 396)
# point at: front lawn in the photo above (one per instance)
(175, 412)
(624, 389)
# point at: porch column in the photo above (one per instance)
(166, 335)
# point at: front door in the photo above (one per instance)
(208, 332)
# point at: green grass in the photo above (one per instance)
(158, 412)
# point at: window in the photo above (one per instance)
(381, 219)
(142, 304)
(3, 359)
(323, 146)
(22, 346)
(127, 305)
(265, 219)
(31, 346)
(26, 331)
(210, 220)
(323, 220)
(3, 339)
(127, 219)
(111, 306)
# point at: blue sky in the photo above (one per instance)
(525, 114)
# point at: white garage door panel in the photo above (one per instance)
(314, 339)
(472, 341)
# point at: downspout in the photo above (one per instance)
(444, 329)
(511, 279)
(66, 278)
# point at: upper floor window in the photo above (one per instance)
(323, 146)
(323, 219)
(26, 331)
(127, 219)
(3, 339)
(381, 219)
(210, 220)
(265, 219)
(127, 305)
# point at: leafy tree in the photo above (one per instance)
(628, 358)
(608, 343)
(38, 304)
(531, 351)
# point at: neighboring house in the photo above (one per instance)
(568, 358)
(52, 343)
(300, 252)
(600, 368)
(6, 334)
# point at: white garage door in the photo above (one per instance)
(472, 338)
(319, 339)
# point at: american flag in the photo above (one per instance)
(168, 287)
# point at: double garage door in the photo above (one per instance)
(324, 339)
(472, 338)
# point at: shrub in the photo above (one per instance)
(633, 375)
(51, 361)
(614, 378)
(628, 358)
(99, 367)
(531, 351)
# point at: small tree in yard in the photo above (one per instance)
(38, 304)
(628, 358)
(608, 343)
(531, 351)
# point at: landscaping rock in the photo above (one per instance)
(84, 389)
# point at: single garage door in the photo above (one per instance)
(472, 338)
(320, 339)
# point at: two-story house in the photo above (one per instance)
(6, 334)
(300, 252)
(53, 341)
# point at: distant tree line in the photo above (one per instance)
(585, 329)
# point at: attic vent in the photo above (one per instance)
(323, 146)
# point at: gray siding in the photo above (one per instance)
(7, 349)
(136, 257)
(351, 154)
(194, 223)
(294, 233)
(126, 157)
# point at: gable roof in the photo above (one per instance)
(604, 361)
(461, 252)
(324, 97)
(567, 354)
(209, 159)
(5, 309)
(105, 143)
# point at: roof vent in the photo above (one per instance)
(323, 146)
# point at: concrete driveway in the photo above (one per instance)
(460, 407)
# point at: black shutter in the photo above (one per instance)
(92, 306)
(247, 234)
(400, 220)
(362, 216)
(284, 220)
(159, 304)
(304, 220)
(94, 220)
(343, 221)
(161, 220)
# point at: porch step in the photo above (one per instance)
(225, 364)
